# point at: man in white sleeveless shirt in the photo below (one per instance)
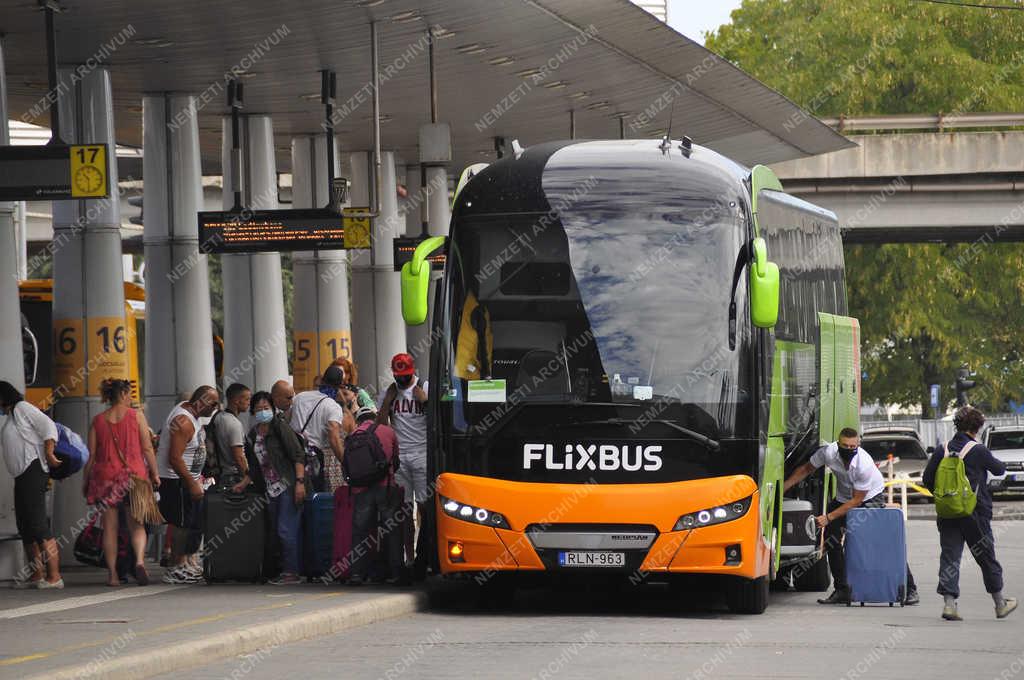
(180, 457)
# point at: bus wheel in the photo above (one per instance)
(813, 578)
(747, 596)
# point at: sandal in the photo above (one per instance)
(141, 575)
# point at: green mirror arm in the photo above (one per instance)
(424, 249)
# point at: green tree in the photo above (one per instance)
(924, 308)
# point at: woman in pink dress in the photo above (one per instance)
(119, 447)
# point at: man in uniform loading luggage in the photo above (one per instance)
(859, 484)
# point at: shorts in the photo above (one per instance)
(30, 504)
(412, 476)
(176, 505)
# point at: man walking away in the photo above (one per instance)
(859, 484)
(376, 504)
(404, 406)
(230, 467)
(974, 529)
(180, 457)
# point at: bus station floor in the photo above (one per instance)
(550, 634)
(90, 630)
(88, 625)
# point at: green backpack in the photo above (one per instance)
(954, 497)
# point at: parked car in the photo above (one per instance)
(904, 444)
(1007, 444)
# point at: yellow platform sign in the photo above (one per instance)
(89, 171)
(314, 352)
(357, 229)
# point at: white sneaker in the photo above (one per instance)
(46, 585)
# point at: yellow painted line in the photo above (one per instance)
(13, 661)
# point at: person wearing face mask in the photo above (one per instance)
(277, 467)
(404, 407)
(859, 484)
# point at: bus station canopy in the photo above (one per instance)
(513, 69)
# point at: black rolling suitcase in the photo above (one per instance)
(234, 531)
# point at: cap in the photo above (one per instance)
(365, 411)
(402, 364)
(333, 376)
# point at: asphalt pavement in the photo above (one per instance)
(654, 633)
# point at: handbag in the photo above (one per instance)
(142, 505)
(89, 544)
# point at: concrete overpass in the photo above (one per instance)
(898, 186)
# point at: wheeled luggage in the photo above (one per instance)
(876, 555)
(317, 534)
(234, 530)
(342, 544)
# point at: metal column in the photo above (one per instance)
(88, 291)
(322, 331)
(255, 351)
(11, 368)
(377, 327)
(179, 344)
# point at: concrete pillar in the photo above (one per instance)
(378, 328)
(321, 328)
(88, 292)
(11, 368)
(179, 342)
(255, 352)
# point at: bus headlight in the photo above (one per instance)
(726, 512)
(471, 513)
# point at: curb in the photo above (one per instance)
(263, 638)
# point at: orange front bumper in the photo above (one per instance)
(488, 549)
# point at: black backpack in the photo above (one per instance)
(211, 466)
(364, 463)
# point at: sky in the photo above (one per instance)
(693, 17)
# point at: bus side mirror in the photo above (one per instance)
(416, 282)
(764, 288)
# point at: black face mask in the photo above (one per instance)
(403, 381)
(847, 454)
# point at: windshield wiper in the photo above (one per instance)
(692, 434)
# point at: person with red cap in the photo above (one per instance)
(404, 406)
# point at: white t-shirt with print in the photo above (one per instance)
(862, 475)
(409, 420)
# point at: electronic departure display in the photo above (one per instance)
(251, 231)
(405, 246)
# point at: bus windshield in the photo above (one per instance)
(612, 298)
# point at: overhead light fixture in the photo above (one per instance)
(312, 96)
(526, 73)
(441, 33)
(404, 17)
(247, 75)
(621, 114)
(579, 95)
(598, 105)
(471, 48)
(135, 109)
(556, 85)
(384, 118)
(369, 3)
(501, 61)
(153, 42)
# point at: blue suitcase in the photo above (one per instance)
(876, 555)
(317, 534)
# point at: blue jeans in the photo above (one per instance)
(287, 519)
